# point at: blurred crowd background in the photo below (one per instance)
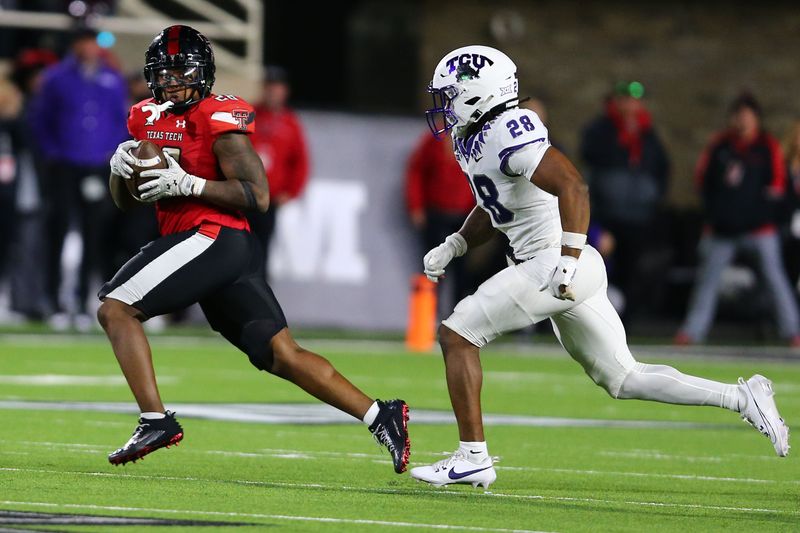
(681, 116)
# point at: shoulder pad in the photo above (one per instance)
(226, 112)
(518, 127)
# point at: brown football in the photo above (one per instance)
(148, 157)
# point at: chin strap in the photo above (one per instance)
(493, 113)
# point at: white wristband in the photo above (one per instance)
(198, 184)
(459, 244)
(573, 240)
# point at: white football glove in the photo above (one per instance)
(437, 259)
(171, 181)
(122, 159)
(560, 280)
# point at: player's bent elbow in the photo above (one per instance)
(262, 202)
(577, 186)
(582, 190)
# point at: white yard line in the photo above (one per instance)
(539, 347)
(690, 477)
(321, 414)
(56, 380)
(282, 453)
(326, 519)
(656, 454)
(648, 504)
(346, 488)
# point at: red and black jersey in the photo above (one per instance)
(740, 182)
(189, 138)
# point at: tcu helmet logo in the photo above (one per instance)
(155, 110)
(476, 61)
(243, 118)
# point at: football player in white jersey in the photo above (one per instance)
(531, 192)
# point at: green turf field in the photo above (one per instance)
(694, 469)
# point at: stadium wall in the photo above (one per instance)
(344, 253)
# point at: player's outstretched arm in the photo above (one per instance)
(246, 185)
(558, 176)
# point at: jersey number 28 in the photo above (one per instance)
(486, 190)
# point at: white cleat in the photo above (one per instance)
(457, 469)
(762, 412)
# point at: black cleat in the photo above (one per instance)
(149, 436)
(390, 429)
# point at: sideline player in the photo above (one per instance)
(532, 193)
(206, 253)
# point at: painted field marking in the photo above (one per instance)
(476, 493)
(326, 519)
(55, 380)
(656, 454)
(282, 453)
(689, 477)
(543, 348)
(322, 414)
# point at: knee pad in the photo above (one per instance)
(630, 384)
(612, 387)
(612, 379)
(255, 342)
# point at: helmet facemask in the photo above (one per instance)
(163, 78)
(442, 114)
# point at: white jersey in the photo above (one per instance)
(524, 212)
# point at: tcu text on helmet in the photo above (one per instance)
(476, 61)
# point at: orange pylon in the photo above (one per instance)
(421, 331)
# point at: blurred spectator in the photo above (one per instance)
(10, 107)
(78, 118)
(627, 171)
(741, 176)
(27, 253)
(791, 211)
(280, 142)
(438, 198)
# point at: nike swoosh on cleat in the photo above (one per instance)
(452, 474)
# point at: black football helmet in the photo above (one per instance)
(180, 55)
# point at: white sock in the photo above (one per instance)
(151, 415)
(372, 414)
(476, 452)
(740, 401)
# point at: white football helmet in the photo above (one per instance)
(469, 82)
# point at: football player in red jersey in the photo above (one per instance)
(206, 252)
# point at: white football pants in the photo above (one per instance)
(588, 328)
